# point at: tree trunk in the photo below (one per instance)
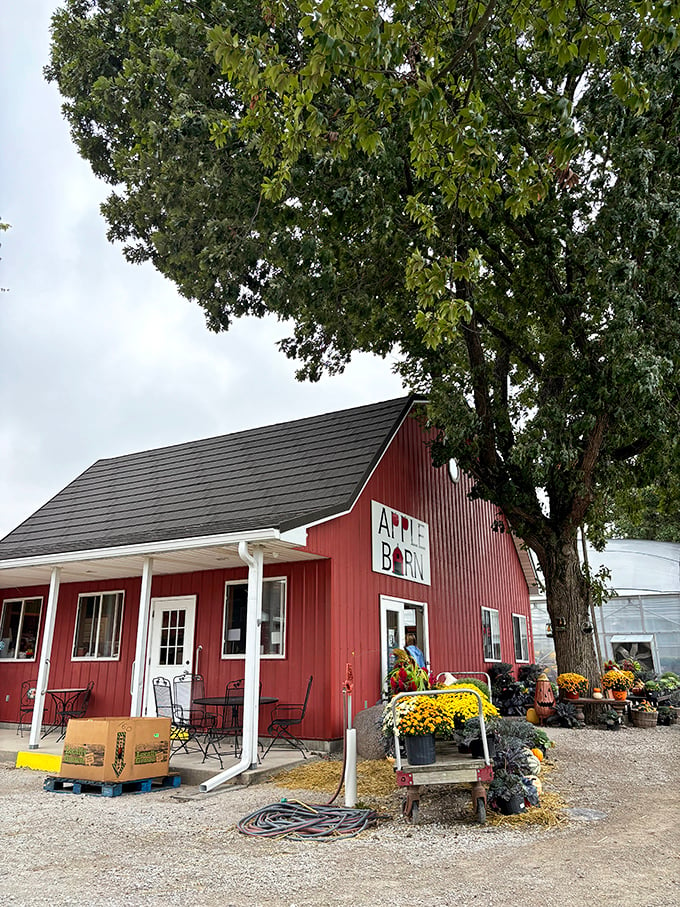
(567, 599)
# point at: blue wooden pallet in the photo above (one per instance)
(109, 788)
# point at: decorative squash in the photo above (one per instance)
(532, 716)
(538, 753)
(533, 763)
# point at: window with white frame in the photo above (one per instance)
(19, 627)
(99, 623)
(491, 635)
(521, 637)
(272, 628)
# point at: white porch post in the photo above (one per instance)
(251, 692)
(44, 664)
(137, 684)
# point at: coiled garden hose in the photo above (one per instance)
(301, 821)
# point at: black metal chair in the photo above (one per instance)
(75, 707)
(26, 704)
(186, 688)
(231, 725)
(183, 734)
(284, 717)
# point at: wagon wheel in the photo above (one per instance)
(411, 809)
(481, 811)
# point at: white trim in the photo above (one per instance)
(45, 656)
(148, 549)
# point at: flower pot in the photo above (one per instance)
(620, 694)
(477, 749)
(420, 750)
(571, 696)
(512, 806)
(643, 719)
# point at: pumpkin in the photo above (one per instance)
(538, 784)
(538, 753)
(532, 716)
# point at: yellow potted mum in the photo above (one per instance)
(572, 685)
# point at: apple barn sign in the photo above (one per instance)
(401, 544)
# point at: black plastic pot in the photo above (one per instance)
(512, 806)
(477, 750)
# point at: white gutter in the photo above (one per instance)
(148, 549)
(45, 654)
(251, 691)
(137, 684)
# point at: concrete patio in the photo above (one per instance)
(192, 769)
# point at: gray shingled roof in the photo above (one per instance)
(281, 476)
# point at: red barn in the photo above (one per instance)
(142, 567)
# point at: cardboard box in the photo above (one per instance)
(116, 749)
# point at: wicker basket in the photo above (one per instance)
(643, 719)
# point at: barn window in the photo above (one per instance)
(520, 636)
(98, 625)
(272, 628)
(19, 627)
(491, 635)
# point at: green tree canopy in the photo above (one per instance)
(491, 190)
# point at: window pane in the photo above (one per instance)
(491, 638)
(234, 642)
(273, 626)
(20, 627)
(98, 625)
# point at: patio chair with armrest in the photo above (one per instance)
(284, 717)
(186, 689)
(26, 704)
(75, 707)
(183, 733)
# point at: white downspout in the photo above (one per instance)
(45, 654)
(137, 686)
(251, 691)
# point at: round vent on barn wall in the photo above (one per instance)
(454, 470)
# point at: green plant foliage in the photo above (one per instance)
(489, 192)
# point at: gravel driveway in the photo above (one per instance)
(177, 848)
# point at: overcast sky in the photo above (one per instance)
(100, 357)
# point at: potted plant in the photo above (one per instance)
(611, 719)
(572, 685)
(644, 714)
(417, 720)
(618, 681)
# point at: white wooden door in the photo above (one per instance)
(170, 649)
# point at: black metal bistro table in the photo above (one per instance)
(228, 728)
(61, 699)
